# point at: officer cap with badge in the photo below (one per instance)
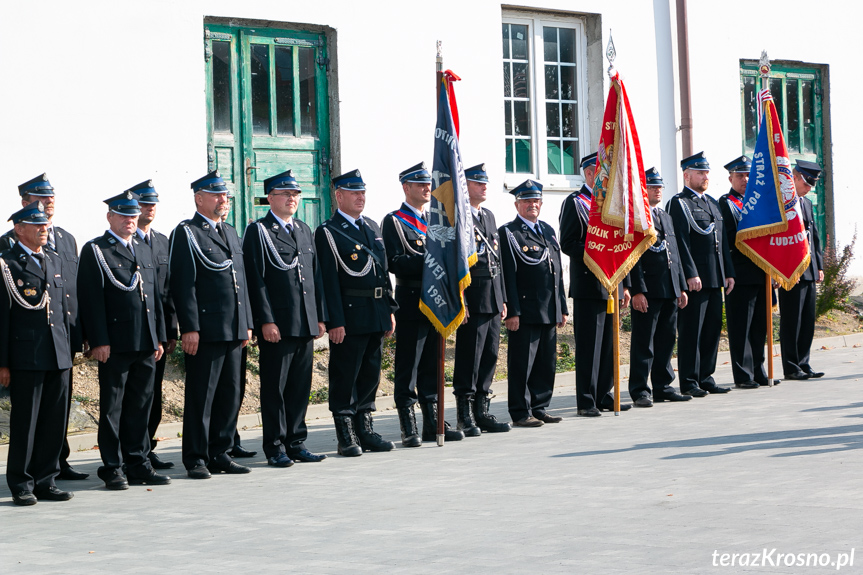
(653, 178)
(476, 174)
(145, 192)
(741, 165)
(527, 190)
(124, 204)
(417, 174)
(810, 171)
(588, 161)
(38, 186)
(352, 180)
(33, 213)
(695, 162)
(283, 181)
(212, 183)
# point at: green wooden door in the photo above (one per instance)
(267, 112)
(797, 94)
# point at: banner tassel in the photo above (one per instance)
(610, 307)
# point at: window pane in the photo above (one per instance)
(552, 120)
(567, 82)
(507, 122)
(553, 158)
(506, 40)
(519, 42)
(308, 96)
(260, 70)
(284, 91)
(750, 117)
(509, 169)
(778, 97)
(569, 121)
(222, 87)
(551, 83)
(522, 156)
(522, 119)
(549, 37)
(570, 157)
(507, 80)
(521, 83)
(792, 137)
(567, 44)
(808, 105)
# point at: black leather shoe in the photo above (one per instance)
(813, 374)
(674, 396)
(408, 424)
(148, 477)
(280, 460)
(53, 494)
(484, 420)
(715, 388)
(349, 443)
(430, 425)
(464, 417)
(306, 456)
(24, 498)
(240, 451)
(159, 463)
(113, 478)
(546, 418)
(798, 376)
(694, 392)
(643, 401)
(231, 468)
(198, 472)
(370, 440)
(765, 384)
(623, 407)
(592, 412)
(747, 385)
(69, 474)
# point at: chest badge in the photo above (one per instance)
(20, 283)
(354, 257)
(29, 292)
(524, 248)
(419, 242)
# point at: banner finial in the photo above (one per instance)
(610, 53)
(764, 64)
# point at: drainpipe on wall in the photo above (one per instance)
(685, 93)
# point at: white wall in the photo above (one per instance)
(101, 96)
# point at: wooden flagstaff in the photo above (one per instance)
(612, 300)
(441, 339)
(764, 65)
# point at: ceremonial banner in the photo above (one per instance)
(450, 249)
(620, 228)
(770, 229)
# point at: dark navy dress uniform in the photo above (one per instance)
(746, 305)
(208, 287)
(797, 305)
(478, 340)
(659, 276)
(34, 346)
(131, 322)
(535, 293)
(704, 255)
(358, 297)
(284, 289)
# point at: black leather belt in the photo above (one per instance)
(485, 273)
(376, 293)
(409, 283)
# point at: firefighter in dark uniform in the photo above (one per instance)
(594, 359)
(285, 293)
(148, 198)
(34, 368)
(208, 286)
(478, 339)
(707, 265)
(536, 307)
(797, 306)
(746, 306)
(657, 285)
(121, 313)
(416, 360)
(359, 311)
(63, 244)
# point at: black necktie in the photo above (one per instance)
(52, 244)
(221, 229)
(147, 240)
(364, 229)
(40, 259)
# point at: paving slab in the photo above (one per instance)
(668, 489)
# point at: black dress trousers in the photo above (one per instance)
(355, 369)
(653, 335)
(594, 354)
(286, 381)
(746, 316)
(531, 362)
(797, 326)
(699, 326)
(476, 352)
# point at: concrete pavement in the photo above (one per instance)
(653, 491)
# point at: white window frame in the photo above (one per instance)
(539, 151)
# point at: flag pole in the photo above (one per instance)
(441, 341)
(612, 300)
(764, 67)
